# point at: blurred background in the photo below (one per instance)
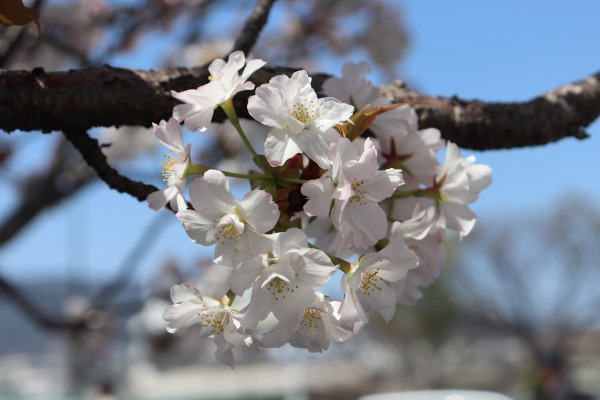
(85, 271)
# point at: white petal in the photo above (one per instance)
(316, 146)
(181, 315)
(258, 209)
(245, 273)
(212, 191)
(282, 269)
(319, 193)
(184, 292)
(368, 218)
(279, 147)
(277, 337)
(318, 268)
(258, 309)
(289, 311)
(383, 184)
(251, 67)
(332, 111)
(157, 200)
(264, 106)
(351, 310)
(384, 301)
(459, 217)
(199, 228)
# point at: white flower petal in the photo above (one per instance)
(246, 272)
(319, 193)
(258, 209)
(212, 191)
(279, 147)
(184, 292)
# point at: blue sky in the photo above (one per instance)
(511, 51)
(493, 51)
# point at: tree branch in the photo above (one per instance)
(557, 114)
(92, 154)
(253, 26)
(33, 312)
(62, 178)
(81, 99)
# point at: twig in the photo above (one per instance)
(92, 154)
(45, 190)
(253, 26)
(32, 311)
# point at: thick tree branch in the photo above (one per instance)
(107, 96)
(253, 26)
(79, 100)
(555, 115)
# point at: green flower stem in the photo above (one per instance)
(345, 266)
(195, 169)
(228, 298)
(227, 106)
(246, 176)
(291, 180)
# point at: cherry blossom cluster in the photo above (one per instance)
(324, 199)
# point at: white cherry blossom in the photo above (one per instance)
(169, 134)
(301, 122)
(225, 82)
(318, 327)
(424, 234)
(282, 281)
(399, 124)
(355, 186)
(323, 232)
(368, 287)
(236, 227)
(366, 184)
(353, 88)
(218, 320)
(461, 182)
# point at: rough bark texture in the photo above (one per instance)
(557, 114)
(107, 96)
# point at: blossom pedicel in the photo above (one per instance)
(386, 201)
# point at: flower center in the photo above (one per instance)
(214, 320)
(278, 288)
(168, 166)
(369, 282)
(227, 232)
(311, 318)
(304, 111)
(359, 195)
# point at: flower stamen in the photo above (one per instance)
(214, 320)
(370, 281)
(304, 112)
(168, 166)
